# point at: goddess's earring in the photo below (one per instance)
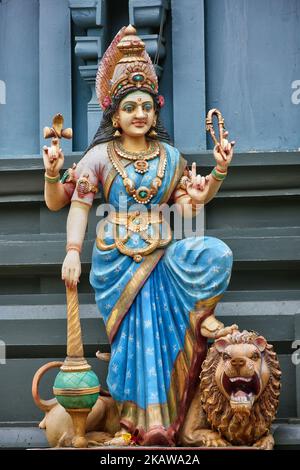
(153, 132)
(116, 125)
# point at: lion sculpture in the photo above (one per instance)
(238, 395)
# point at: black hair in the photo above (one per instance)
(105, 131)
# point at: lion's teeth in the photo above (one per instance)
(242, 379)
(243, 399)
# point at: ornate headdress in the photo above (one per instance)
(125, 65)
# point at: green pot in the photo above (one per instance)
(76, 389)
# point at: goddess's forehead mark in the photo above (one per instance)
(138, 96)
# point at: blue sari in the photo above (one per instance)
(153, 311)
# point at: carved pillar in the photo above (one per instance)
(90, 15)
(149, 16)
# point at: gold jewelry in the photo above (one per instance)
(73, 246)
(115, 123)
(52, 179)
(84, 186)
(143, 194)
(125, 65)
(140, 165)
(151, 152)
(183, 182)
(117, 133)
(135, 222)
(153, 134)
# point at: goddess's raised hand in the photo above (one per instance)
(53, 158)
(197, 187)
(227, 152)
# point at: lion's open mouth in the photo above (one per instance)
(242, 390)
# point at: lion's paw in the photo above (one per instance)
(265, 443)
(213, 439)
(227, 330)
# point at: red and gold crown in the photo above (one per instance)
(125, 65)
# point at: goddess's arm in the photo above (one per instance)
(53, 157)
(190, 208)
(81, 201)
(55, 195)
(59, 192)
(213, 187)
(194, 190)
(76, 227)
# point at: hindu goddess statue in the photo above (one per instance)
(156, 295)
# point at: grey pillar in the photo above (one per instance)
(297, 365)
(55, 65)
(19, 71)
(188, 75)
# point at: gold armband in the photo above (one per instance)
(84, 186)
(183, 182)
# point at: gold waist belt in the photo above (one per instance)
(135, 222)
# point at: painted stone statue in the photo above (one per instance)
(156, 294)
(234, 403)
(238, 395)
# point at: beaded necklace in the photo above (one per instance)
(143, 194)
(140, 158)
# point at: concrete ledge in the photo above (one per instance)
(22, 437)
(13, 435)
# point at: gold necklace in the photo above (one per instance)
(142, 195)
(140, 158)
(151, 152)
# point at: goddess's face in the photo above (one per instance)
(136, 114)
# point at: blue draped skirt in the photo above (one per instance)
(152, 348)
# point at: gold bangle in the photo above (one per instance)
(73, 246)
(52, 179)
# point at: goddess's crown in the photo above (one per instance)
(125, 65)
